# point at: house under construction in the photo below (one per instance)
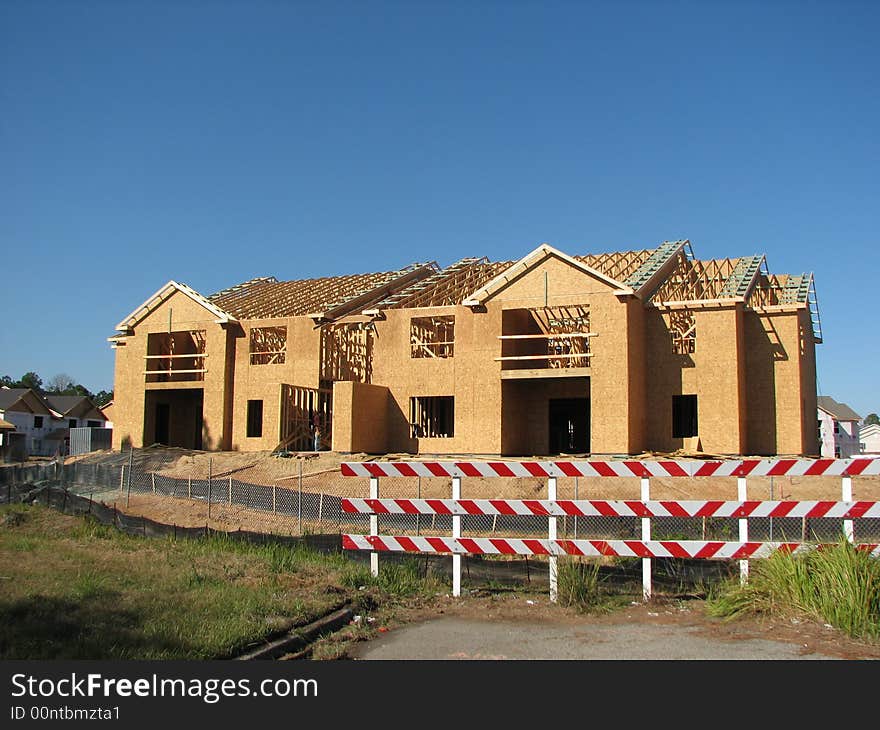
(615, 353)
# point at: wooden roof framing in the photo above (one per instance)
(696, 280)
(327, 296)
(447, 286)
(528, 262)
(618, 265)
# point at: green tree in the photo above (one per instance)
(103, 397)
(872, 419)
(31, 380)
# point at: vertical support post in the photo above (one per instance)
(229, 492)
(121, 480)
(374, 527)
(153, 481)
(741, 495)
(646, 535)
(418, 516)
(130, 459)
(320, 506)
(209, 493)
(551, 535)
(846, 496)
(299, 500)
(456, 533)
(274, 498)
(189, 487)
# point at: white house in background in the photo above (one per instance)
(869, 439)
(46, 420)
(70, 411)
(30, 415)
(838, 429)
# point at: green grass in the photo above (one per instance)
(71, 588)
(838, 585)
(580, 585)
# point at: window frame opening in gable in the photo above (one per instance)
(432, 337)
(267, 345)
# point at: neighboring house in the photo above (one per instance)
(31, 416)
(46, 420)
(107, 410)
(838, 429)
(869, 439)
(603, 353)
(70, 411)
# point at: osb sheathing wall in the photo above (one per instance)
(134, 424)
(714, 372)
(615, 378)
(263, 382)
(780, 382)
(360, 417)
(470, 376)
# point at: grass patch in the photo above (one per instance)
(76, 589)
(580, 585)
(837, 584)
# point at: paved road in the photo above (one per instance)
(465, 638)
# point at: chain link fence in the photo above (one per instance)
(290, 499)
(152, 492)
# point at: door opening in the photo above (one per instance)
(569, 425)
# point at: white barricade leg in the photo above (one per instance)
(374, 527)
(646, 535)
(456, 533)
(741, 493)
(551, 534)
(846, 496)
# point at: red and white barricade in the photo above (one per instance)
(846, 510)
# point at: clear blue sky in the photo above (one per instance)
(211, 142)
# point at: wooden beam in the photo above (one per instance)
(545, 337)
(531, 373)
(542, 357)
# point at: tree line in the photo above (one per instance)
(61, 384)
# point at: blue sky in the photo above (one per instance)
(211, 142)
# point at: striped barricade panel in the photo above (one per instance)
(810, 509)
(616, 468)
(698, 549)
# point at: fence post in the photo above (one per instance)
(274, 498)
(122, 480)
(741, 493)
(189, 487)
(230, 491)
(320, 507)
(551, 530)
(130, 459)
(846, 489)
(209, 493)
(456, 533)
(374, 527)
(299, 501)
(646, 535)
